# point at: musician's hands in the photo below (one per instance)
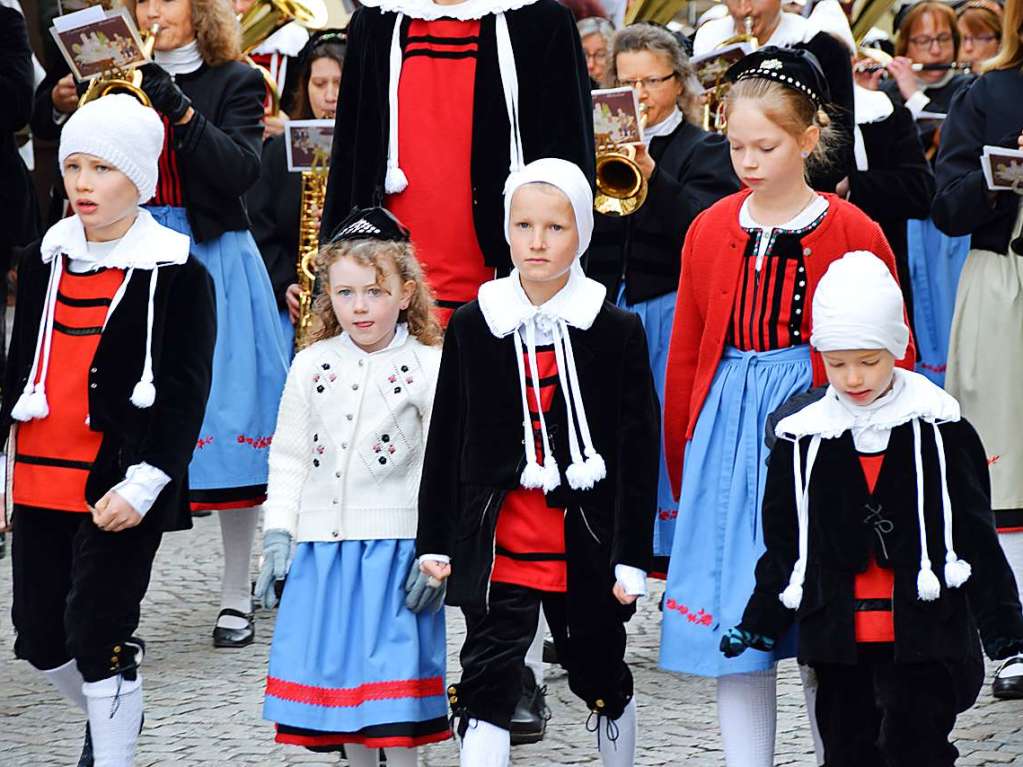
(65, 95)
(273, 125)
(113, 514)
(867, 77)
(291, 298)
(645, 161)
(167, 98)
(901, 70)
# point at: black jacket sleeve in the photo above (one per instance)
(16, 76)
(765, 614)
(902, 190)
(638, 457)
(992, 589)
(183, 379)
(962, 202)
(270, 233)
(225, 157)
(439, 486)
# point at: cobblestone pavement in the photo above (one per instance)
(203, 705)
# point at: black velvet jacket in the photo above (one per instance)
(275, 209)
(164, 435)
(19, 214)
(841, 539)
(989, 111)
(940, 102)
(555, 114)
(694, 170)
(474, 454)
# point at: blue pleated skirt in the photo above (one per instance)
(349, 662)
(657, 316)
(250, 362)
(719, 536)
(935, 263)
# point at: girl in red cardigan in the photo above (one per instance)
(738, 351)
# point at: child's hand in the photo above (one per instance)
(113, 514)
(436, 570)
(621, 596)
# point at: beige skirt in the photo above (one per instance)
(985, 365)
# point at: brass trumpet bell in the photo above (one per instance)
(267, 16)
(621, 187)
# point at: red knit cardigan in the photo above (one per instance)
(712, 260)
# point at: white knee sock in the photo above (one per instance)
(360, 756)
(534, 655)
(485, 745)
(620, 752)
(115, 717)
(68, 682)
(809, 677)
(238, 531)
(402, 757)
(747, 715)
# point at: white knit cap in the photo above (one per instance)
(567, 177)
(858, 305)
(120, 130)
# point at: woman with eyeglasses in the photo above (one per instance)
(687, 170)
(980, 30)
(596, 34)
(984, 360)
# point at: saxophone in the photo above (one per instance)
(314, 191)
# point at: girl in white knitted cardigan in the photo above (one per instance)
(350, 663)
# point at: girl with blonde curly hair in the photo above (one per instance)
(357, 615)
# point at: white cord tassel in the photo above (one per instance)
(545, 475)
(395, 180)
(595, 468)
(144, 393)
(792, 596)
(577, 473)
(510, 86)
(957, 571)
(927, 585)
(532, 474)
(32, 403)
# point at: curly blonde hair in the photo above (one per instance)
(217, 31)
(384, 258)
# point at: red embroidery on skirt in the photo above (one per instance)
(934, 368)
(203, 442)
(260, 443)
(698, 617)
(354, 696)
(666, 515)
(993, 460)
(396, 741)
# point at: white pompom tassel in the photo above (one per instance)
(792, 596)
(30, 405)
(532, 476)
(578, 476)
(551, 474)
(143, 395)
(927, 586)
(597, 467)
(395, 181)
(957, 571)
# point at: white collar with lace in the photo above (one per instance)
(913, 399)
(508, 311)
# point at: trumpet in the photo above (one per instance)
(118, 80)
(621, 186)
(314, 191)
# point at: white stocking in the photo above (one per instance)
(115, 718)
(809, 677)
(360, 756)
(402, 757)
(238, 531)
(620, 752)
(485, 745)
(747, 715)
(68, 681)
(534, 655)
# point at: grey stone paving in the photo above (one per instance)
(203, 705)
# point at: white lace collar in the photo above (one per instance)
(871, 106)
(146, 245)
(427, 10)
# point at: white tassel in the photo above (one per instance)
(143, 395)
(551, 474)
(30, 405)
(597, 467)
(957, 571)
(927, 586)
(583, 475)
(532, 476)
(792, 596)
(395, 181)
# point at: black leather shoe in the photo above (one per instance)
(224, 637)
(550, 653)
(1006, 687)
(86, 759)
(529, 722)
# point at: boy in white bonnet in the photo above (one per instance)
(106, 384)
(880, 540)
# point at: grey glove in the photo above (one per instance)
(276, 551)
(424, 594)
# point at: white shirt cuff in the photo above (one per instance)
(916, 103)
(141, 485)
(633, 579)
(444, 559)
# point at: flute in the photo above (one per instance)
(957, 66)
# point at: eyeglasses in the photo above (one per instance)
(978, 39)
(926, 41)
(595, 55)
(648, 83)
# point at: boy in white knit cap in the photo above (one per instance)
(880, 540)
(106, 385)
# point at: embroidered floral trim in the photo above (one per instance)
(203, 442)
(354, 696)
(259, 443)
(698, 617)
(666, 515)
(397, 741)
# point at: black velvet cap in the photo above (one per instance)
(792, 67)
(371, 224)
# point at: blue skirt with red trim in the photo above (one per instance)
(349, 662)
